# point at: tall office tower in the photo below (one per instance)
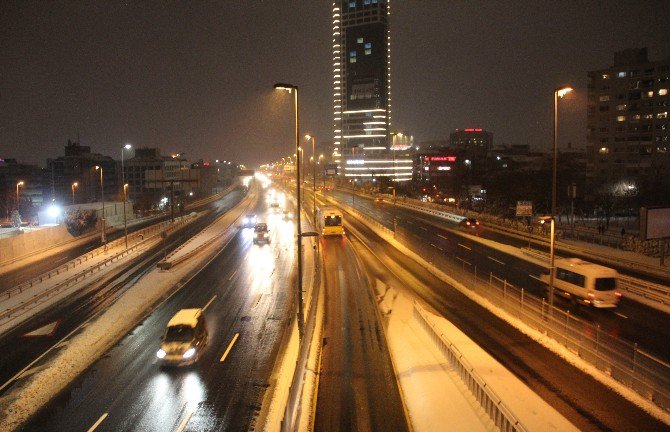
(362, 92)
(628, 125)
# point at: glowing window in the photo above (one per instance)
(663, 92)
(359, 40)
(621, 118)
(621, 75)
(662, 115)
(604, 98)
(368, 51)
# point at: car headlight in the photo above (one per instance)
(160, 354)
(189, 353)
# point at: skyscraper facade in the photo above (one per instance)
(362, 92)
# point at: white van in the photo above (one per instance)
(183, 339)
(588, 283)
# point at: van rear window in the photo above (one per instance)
(605, 284)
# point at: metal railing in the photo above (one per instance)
(501, 416)
(623, 361)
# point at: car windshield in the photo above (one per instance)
(260, 228)
(179, 333)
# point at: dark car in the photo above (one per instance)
(469, 223)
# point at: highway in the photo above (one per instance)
(590, 405)
(19, 351)
(630, 321)
(357, 386)
(245, 290)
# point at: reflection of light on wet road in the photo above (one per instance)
(261, 266)
(193, 391)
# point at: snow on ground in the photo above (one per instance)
(539, 337)
(105, 330)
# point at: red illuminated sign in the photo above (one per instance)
(205, 163)
(441, 158)
(473, 130)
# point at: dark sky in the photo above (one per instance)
(197, 76)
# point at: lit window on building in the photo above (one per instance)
(368, 51)
(352, 4)
(621, 107)
(663, 114)
(663, 92)
(368, 45)
(352, 53)
(621, 118)
(605, 76)
(603, 150)
(359, 40)
(352, 60)
(650, 93)
(604, 98)
(621, 74)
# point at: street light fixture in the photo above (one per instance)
(552, 268)
(103, 240)
(18, 208)
(74, 185)
(125, 194)
(291, 88)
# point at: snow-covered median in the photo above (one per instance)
(24, 400)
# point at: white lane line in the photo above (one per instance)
(96, 424)
(424, 228)
(230, 346)
(464, 246)
(621, 315)
(233, 275)
(493, 259)
(442, 237)
(209, 303)
(185, 421)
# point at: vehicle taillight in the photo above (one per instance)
(477, 223)
(617, 293)
(467, 223)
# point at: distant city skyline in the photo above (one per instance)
(198, 78)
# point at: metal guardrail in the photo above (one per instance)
(22, 308)
(501, 416)
(623, 361)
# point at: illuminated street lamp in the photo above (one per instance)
(74, 185)
(313, 138)
(18, 208)
(558, 93)
(103, 240)
(125, 194)
(292, 88)
(552, 268)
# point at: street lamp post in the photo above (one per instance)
(313, 138)
(558, 93)
(125, 195)
(74, 185)
(103, 240)
(292, 88)
(552, 272)
(18, 205)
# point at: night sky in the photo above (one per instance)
(197, 77)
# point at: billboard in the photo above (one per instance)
(330, 170)
(524, 208)
(654, 223)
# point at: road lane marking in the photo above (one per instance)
(442, 237)
(464, 246)
(621, 315)
(493, 259)
(209, 303)
(96, 424)
(232, 342)
(185, 421)
(233, 275)
(436, 247)
(463, 261)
